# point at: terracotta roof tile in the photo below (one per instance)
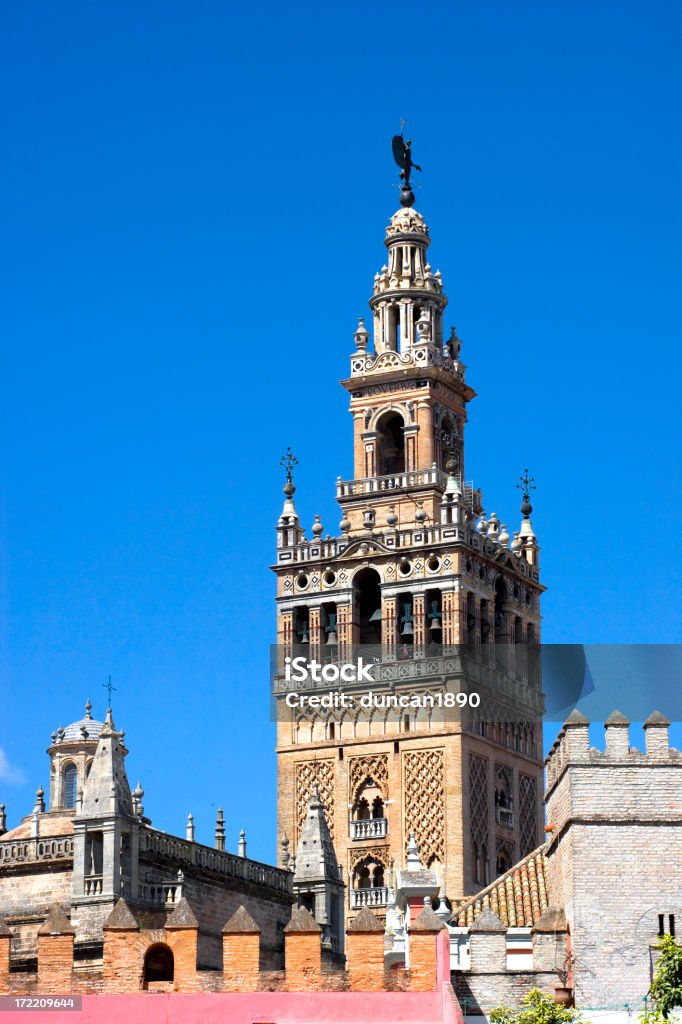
(518, 898)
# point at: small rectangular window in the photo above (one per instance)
(671, 921)
(661, 924)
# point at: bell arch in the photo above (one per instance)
(367, 606)
(390, 443)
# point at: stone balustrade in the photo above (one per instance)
(181, 851)
(371, 897)
(22, 851)
(372, 828)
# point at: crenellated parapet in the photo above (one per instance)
(571, 749)
(160, 954)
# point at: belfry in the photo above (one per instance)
(437, 594)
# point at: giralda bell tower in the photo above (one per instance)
(440, 599)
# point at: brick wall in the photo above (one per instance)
(55, 964)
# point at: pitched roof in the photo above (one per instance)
(656, 718)
(241, 923)
(56, 922)
(182, 916)
(365, 921)
(121, 918)
(518, 897)
(576, 718)
(50, 824)
(488, 921)
(302, 921)
(428, 922)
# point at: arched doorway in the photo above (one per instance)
(158, 964)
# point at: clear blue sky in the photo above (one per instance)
(194, 198)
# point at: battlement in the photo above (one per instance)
(140, 954)
(572, 746)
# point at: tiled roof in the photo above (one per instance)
(91, 725)
(50, 825)
(519, 897)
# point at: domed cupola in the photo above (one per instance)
(71, 753)
(408, 299)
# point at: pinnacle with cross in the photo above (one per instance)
(526, 485)
(110, 688)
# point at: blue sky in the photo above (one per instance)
(193, 201)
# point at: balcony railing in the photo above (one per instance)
(504, 817)
(26, 850)
(92, 885)
(369, 828)
(392, 482)
(377, 897)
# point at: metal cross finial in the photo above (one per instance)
(110, 688)
(526, 485)
(288, 462)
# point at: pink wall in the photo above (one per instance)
(255, 1008)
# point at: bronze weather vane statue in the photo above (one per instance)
(402, 154)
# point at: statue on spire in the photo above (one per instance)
(402, 154)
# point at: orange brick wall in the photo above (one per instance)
(241, 956)
(423, 961)
(303, 960)
(365, 953)
(55, 964)
(183, 943)
(5, 942)
(123, 961)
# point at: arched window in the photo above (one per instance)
(369, 874)
(390, 445)
(367, 599)
(362, 813)
(70, 785)
(369, 802)
(158, 964)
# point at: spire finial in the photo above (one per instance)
(110, 688)
(526, 484)
(88, 707)
(220, 830)
(288, 461)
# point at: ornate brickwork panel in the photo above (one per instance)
(372, 766)
(380, 853)
(478, 799)
(423, 789)
(527, 814)
(307, 774)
